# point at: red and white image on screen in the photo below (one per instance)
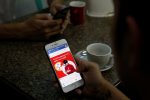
(63, 64)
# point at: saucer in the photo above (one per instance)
(83, 55)
(108, 14)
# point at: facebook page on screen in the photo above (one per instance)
(64, 64)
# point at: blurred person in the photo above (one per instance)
(38, 27)
(131, 52)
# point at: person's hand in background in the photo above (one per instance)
(55, 6)
(43, 25)
(38, 27)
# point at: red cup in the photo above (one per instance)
(77, 12)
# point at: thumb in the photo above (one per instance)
(59, 7)
(85, 66)
(82, 65)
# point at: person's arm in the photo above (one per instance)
(96, 87)
(56, 5)
(39, 27)
(110, 92)
(9, 31)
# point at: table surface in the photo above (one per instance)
(25, 63)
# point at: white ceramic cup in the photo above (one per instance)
(99, 53)
(100, 8)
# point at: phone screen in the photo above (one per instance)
(64, 64)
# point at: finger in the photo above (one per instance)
(55, 22)
(51, 33)
(84, 91)
(56, 7)
(66, 21)
(59, 7)
(49, 14)
(52, 29)
(67, 18)
(82, 67)
(49, 23)
(78, 91)
(45, 23)
(85, 66)
(53, 9)
(44, 16)
(64, 25)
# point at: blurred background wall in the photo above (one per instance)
(24, 7)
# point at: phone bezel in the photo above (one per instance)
(73, 85)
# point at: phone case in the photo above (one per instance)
(67, 64)
(61, 14)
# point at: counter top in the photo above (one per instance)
(25, 64)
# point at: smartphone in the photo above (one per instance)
(64, 65)
(62, 13)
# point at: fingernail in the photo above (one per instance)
(49, 14)
(63, 6)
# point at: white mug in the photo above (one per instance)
(99, 53)
(100, 8)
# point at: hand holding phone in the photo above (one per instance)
(64, 65)
(62, 13)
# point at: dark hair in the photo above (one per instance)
(138, 10)
(132, 75)
(65, 61)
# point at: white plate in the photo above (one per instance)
(82, 54)
(109, 14)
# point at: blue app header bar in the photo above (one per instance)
(57, 48)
